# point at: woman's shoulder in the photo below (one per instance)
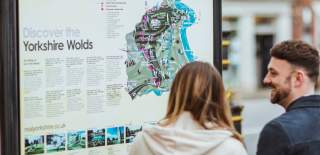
(233, 146)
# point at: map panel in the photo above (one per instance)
(158, 47)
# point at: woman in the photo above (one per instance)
(198, 120)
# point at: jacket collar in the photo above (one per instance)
(305, 102)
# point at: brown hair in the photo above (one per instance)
(198, 89)
(298, 54)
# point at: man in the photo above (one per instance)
(292, 74)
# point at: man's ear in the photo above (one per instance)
(299, 78)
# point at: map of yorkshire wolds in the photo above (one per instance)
(158, 47)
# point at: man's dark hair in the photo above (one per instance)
(300, 54)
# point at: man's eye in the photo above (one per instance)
(273, 73)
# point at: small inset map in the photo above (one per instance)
(158, 47)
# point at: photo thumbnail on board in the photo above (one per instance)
(96, 137)
(56, 143)
(115, 135)
(76, 140)
(131, 132)
(34, 144)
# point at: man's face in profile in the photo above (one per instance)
(278, 79)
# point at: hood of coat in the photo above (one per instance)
(185, 136)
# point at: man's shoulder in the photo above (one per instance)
(276, 124)
(299, 117)
(291, 124)
(286, 117)
(273, 133)
(286, 122)
(278, 127)
(282, 120)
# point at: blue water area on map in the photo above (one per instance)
(155, 91)
(186, 23)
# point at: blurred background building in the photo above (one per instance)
(255, 26)
(250, 29)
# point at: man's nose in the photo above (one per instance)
(266, 80)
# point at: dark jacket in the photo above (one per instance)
(296, 132)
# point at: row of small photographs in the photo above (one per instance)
(81, 139)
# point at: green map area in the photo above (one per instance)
(157, 48)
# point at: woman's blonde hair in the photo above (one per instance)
(198, 89)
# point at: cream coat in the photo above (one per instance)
(185, 137)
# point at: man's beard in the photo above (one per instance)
(279, 94)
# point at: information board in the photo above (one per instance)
(94, 72)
